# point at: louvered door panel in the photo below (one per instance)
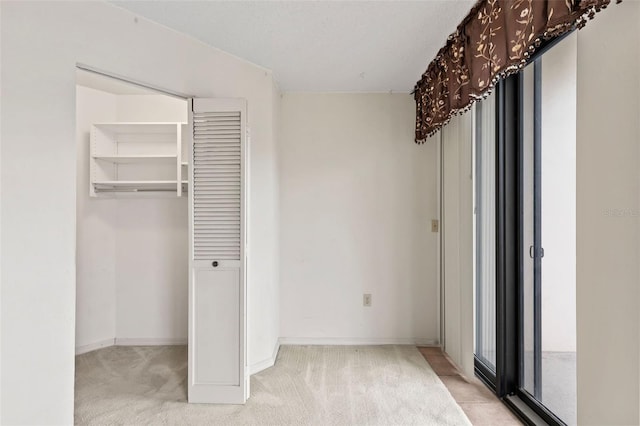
(217, 296)
(217, 179)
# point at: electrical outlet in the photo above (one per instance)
(435, 225)
(366, 300)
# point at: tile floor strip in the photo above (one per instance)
(480, 405)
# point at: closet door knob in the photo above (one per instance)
(215, 264)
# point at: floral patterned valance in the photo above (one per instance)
(494, 40)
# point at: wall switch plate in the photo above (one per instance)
(366, 300)
(435, 225)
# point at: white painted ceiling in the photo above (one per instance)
(320, 45)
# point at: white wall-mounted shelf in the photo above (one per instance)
(138, 185)
(129, 159)
(137, 157)
(139, 127)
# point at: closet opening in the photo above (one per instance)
(132, 241)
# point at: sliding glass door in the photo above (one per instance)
(525, 283)
(548, 230)
(530, 238)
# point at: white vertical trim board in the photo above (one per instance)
(440, 254)
(474, 224)
(457, 239)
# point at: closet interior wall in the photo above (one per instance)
(131, 262)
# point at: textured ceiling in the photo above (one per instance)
(320, 45)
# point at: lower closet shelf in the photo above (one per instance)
(136, 185)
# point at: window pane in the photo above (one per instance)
(549, 232)
(486, 232)
(530, 332)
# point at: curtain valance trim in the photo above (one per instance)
(433, 92)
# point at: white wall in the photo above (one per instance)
(451, 290)
(264, 313)
(96, 239)
(152, 246)
(41, 44)
(263, 300)
(457, 234)
(559, 74)
(151, 108)
(152, 275)
(608, 218)
(357, 196)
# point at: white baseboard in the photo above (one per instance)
(266, 363)
(357, 341)
(83, 349)
(429, 343)
(143, 341)
(126, 341)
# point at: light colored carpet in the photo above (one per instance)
(309, 385)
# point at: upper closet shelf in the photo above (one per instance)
(148, 128)
(128, 159)
(137, 157)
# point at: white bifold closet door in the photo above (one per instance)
(217, 289)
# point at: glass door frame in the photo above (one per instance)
(503, 380)
(507, 381)
(481, 364)
(535, 251)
